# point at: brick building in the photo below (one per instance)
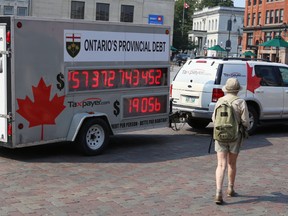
(265, 19)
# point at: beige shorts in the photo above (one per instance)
(232, 147)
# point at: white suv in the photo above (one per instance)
(198, 84)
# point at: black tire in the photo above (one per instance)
(253, 119)
(93, 136)
(197, 123)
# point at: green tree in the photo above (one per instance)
(209, 3)
(183, 24)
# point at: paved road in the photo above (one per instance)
(154, 172)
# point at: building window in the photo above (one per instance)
(249, 38)
(267, 36)
(267, 17)
(102, 11)
(204, 26)
(277, 33)
(281, 15)
(248, 20)
(77, 10)
(260, 1)
(22, 11)
(259, 18)
(127, 13)
(8, 10)
(249, 2)
(254, 2)
(276, 16)
(253, 19)
(271, 16)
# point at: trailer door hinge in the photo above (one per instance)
(4, 52)
(5, 116)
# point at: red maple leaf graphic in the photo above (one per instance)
(42, 111)
(253, 82)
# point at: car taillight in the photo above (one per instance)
(8, 37)
(216, 94)
(171, 90)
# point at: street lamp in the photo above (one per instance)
(239, 40)
(229, 29)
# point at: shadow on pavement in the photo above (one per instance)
(139, 148)
(276, 197)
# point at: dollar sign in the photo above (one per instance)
(116, 108)
(60, 79)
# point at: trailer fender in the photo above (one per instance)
(77, 122)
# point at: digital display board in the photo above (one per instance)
(144, 105)
(102, 79)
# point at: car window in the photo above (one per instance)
(197, 71)
(269, 75)
(284, 75)
(237, 70)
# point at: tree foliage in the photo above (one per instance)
(214, 3)
(180, 36)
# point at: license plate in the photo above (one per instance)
(190, 99)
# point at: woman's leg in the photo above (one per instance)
(232, 160)
(220, 170)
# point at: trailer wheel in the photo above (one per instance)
(93, 136)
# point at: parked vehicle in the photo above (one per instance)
(182, 57)
(198, 85)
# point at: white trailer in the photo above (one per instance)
(80, 81)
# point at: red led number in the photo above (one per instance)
(158, 76)
(74, 80)
(144, 105)
(109, 77)
(95, 79)
(83, 80)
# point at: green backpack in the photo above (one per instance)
(226, 126)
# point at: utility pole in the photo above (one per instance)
(228, 42)
(229, 29)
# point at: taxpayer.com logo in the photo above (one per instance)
(89, 102)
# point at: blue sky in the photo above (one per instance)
(239, 3)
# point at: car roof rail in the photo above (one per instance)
(232, 58)
(208, 57)
(245, 59)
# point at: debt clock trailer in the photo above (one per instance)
(80, 81)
